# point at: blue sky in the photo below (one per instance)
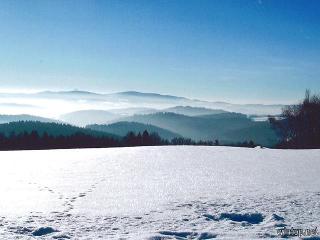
(238, 51)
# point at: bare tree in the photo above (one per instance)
(300, 124)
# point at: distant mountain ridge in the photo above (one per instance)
(193, 111)
(86, 117)
(140, 94)
(68, 92)
(144, 99)
(153, 95)
(89, 117)
(101, 95)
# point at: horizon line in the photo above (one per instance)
(42, 90)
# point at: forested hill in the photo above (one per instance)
(122, 128)
(227, 127)
(24, 117)
(53, 129)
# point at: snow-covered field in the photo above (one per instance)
(158, 193)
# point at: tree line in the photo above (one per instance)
(33, 140)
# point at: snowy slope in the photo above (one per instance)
(154, 193)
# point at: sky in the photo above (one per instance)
(253, 51)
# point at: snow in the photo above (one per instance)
(183, 192)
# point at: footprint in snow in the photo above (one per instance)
(82, 195)
(44, 231)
